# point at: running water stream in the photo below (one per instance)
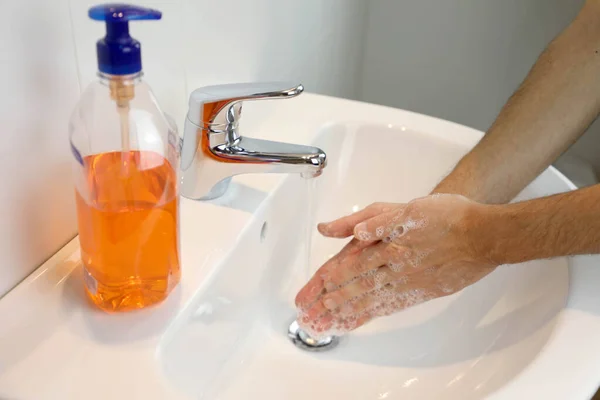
(298, 336)
(310, 190)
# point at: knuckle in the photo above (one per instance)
(361, 304)
(396, 233)
(393, 250)
(364, 235)
(367, 283)
(357, 268)
(343, 295)
(381, 278)
(368, 257)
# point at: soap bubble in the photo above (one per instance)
(396, 266)
(364, 236)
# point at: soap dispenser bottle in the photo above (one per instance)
(126, 155)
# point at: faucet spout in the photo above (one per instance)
(213, 150)
(249, 156)
(255, 155)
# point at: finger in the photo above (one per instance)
(390, 299)
(316, 286)
(330, 325)
(363, 285)
(316, 327)
(370, 258)
(348, 268)
(343, 325)
(310, 293)
(379, 226)
(321, 326)
(362, 319)
(344, 227)
(335, 302)
(352, 247)
(316, 311)
(347, 255)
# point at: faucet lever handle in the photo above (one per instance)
(216, 105)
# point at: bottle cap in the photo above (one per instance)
(118, 53)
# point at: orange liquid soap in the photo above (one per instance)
(128, 227)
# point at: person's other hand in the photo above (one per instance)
(401, 255)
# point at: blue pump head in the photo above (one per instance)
(118, 53)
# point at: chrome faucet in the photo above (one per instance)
(213, 150)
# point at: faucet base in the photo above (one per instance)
(218, 190)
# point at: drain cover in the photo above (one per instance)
(302, 340)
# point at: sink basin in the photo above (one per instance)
(524, 332)
(231, 342)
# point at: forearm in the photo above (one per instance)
(557, 101)
(559, 225)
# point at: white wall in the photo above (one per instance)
(461, 59)
(38, 77)
(207, 42)
(47, 52)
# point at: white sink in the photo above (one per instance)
(524, 332)
(469, 345)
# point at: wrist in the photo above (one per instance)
(509, 230)
(486, 230)
(467, 186)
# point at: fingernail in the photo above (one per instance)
(330, 304)
(323, 227)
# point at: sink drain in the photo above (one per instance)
(302, 340)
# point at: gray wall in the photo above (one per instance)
(461, 59)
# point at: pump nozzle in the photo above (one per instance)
(119, 53)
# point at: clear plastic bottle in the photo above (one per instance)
(126, 157)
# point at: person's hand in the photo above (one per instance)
(401, 255)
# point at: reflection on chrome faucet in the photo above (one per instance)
(213, 150)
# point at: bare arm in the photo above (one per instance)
(559, 225)
(557, 101)
(404, 254)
